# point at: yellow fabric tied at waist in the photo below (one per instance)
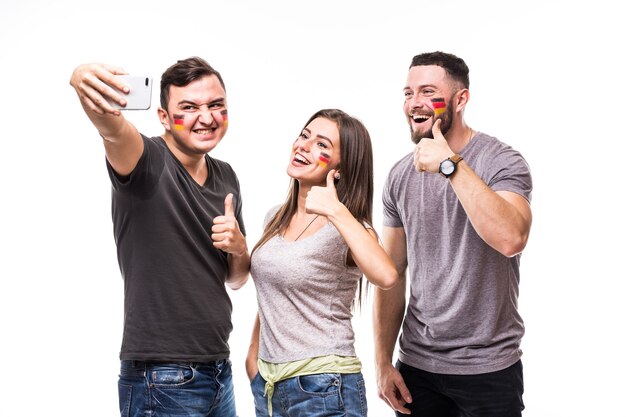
(329, 364)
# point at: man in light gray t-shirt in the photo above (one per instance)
(457, 216)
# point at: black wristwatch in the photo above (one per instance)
(447, 167)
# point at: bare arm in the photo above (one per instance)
(367, 253)
(238, 267)
(252, 366)
(389, 309)
(502, 219)
(94, 84)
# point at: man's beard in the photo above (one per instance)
(446, 123)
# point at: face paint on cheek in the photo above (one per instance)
(224, 114)
(179, 122)
(439, 104)
(324, 159)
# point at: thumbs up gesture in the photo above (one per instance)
(226, 234)
(429, 153)
(323, 200)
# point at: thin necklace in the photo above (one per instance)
(307, 226)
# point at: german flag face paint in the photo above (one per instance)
(324, 159)
(224, 114)
(179, 122)
(439, 104)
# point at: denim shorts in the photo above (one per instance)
(319, 395)
(176, 389)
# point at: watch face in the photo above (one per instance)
(447, 167)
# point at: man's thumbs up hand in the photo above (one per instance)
(226, 234)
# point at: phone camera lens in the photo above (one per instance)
(147, 81)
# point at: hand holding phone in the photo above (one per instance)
(140, 95)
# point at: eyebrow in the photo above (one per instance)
(422, 86)
(318, 135)
(217, 100)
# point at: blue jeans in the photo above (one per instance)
(319, 395)
(176, 389)
(494, 394)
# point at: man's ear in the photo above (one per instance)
(163, 118)
(462, 97)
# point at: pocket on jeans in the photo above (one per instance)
(125, 393)
(165, 375)
(254, 378)
(319, 384)
(362, 396)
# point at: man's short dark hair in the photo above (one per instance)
(182, 73)
(454, 66)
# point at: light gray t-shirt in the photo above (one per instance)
(462, 315)
(305, 292)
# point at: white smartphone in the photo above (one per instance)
(140, 95)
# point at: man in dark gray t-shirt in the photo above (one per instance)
(180, 239)
(457, 216)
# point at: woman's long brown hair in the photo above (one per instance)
(356, 187)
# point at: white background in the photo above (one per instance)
(546, 77)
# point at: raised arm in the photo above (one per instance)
(389, 309)
(95, 84)
(365, 249)
(501, 218)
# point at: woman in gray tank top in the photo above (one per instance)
(308, 270)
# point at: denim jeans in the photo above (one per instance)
(494, 394)
(176, 389)
(319, 395)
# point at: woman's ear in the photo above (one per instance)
(337, 175)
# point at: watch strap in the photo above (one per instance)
(456, 158)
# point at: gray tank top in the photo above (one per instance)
(305, 293)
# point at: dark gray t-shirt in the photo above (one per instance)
(462, 315)
(176, 307)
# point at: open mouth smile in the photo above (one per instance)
(420, 118)
(301, 159)
(203, 131)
